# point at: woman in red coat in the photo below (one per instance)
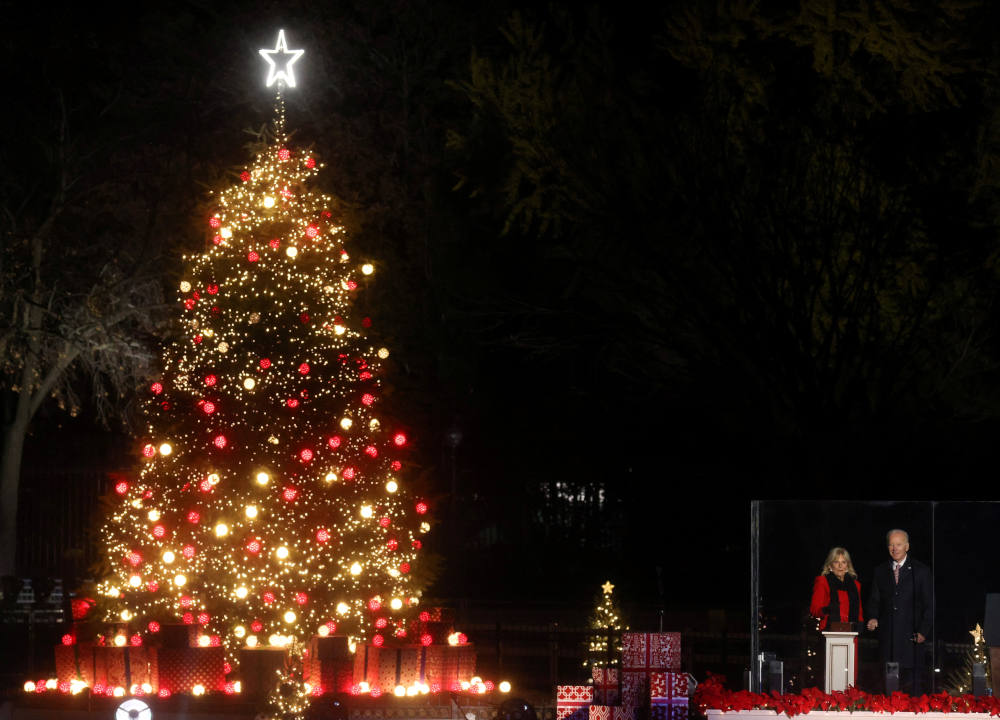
(836, 592)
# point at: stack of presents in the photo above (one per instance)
(649, 684)
(180, 658)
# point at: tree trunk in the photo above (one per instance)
(10, 476)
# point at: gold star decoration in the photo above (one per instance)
(977, 634)
(608, 587)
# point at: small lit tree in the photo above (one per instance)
(960, 679)
(606, 624)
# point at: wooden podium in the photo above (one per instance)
(841, 656)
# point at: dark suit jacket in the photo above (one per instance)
(901, 610)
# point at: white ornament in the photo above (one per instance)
(286, 58)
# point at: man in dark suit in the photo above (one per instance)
(900, 609)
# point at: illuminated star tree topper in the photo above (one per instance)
(280, 61)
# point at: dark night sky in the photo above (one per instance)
(680, 447)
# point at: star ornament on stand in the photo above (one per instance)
(280, 61)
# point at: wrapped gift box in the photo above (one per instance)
(451, 665)
(328, 663)
(611, 712)
(366, 664)
(180, 669)
(75, 662)
(605, 685)
(178, 635)
(121, 666)
(335, 647)
(665, 687)
(635, 689)
(648, 652)
(572, 701)
(259, 668)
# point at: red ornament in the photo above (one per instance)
(217, 239)
(157, 388)
(147, 451)
(193, 517)
(275, 243)
(210, 380)
(462, 638)
(290, 493)
(80, 607)
(312, 231)
(253, 546)
(252, 256)
(333, 442)
(284, 154)
(348, 473)
(189, 304)
(188, 618)
(215, 309)
(399, 439)
(265, 363)
(152, 586)
(257, 625)
(400, 632)
(404, 568)
(364, 375)
(214, 222)
(424, 616)
(220, 441)
(384, 522)
(292, 402)
(367, 399)
(375, 603)
(164, 692)
(245, 176)
(68, 640)
(202, 618)
(378, 641)
(304, 318)
(208, 407)
(426, 640)
(154, 627)
(186, 601)
(227, 668)
(135, 640)
(205, 486)
(352, 285)
(121, 487)
(267, 597)
(188, 551)
(159, 531)
(416, 544)
(133, 558)
(197, 339)
(304, 369)
(310, 163)
(392, 544)
(421, 508)
(396, 465)
(371, 451)
(301, 598)
(322, 535)
(331, 626)
(212, 289)
(381, 622)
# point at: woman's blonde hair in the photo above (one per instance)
(833, 555)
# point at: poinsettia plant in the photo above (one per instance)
(712, 695)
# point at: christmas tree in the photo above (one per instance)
(270, 504)
(606, 623)
(960, 679)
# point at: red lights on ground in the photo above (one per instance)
(416, 544)
(399, 439)
(153, 586)
(121, 487)
(364, 375)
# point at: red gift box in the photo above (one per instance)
(572, 701)
(75, 662)
(121, 666)
(328, 664)
(667, 686)
(605, 685)
(180, 669)
(635, 688)
(609, 712)
(259, 668)
(648, 652)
